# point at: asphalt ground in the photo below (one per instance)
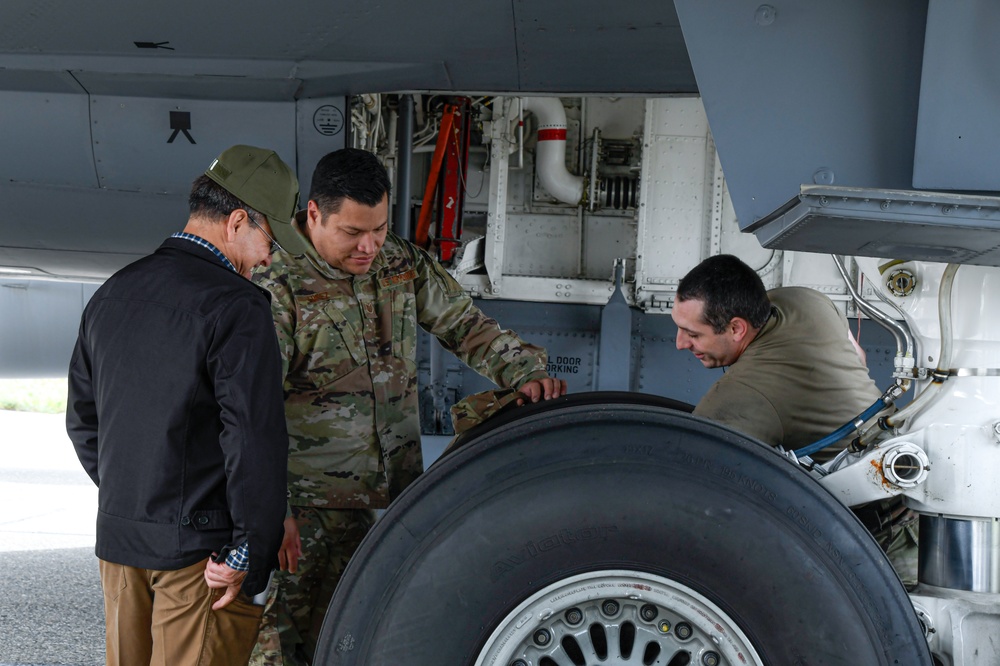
(51, 610)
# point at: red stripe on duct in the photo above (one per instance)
(552, 134)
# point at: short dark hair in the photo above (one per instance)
(348, 173)
(209, 199)
(728, 288)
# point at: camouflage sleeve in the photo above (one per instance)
(283, 312)
(445, 311)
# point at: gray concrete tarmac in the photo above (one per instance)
(51, 609)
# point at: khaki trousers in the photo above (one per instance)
(165, 618)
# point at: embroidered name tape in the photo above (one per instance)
(400, 278)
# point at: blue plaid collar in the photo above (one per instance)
(208, 246)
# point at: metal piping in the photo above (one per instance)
(402, 222)
(550, 156)
(904, 339)
(903, 363)
(939, 376)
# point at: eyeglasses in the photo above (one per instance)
(274, 244)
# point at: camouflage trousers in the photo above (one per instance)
(297, 603)
(896, 533)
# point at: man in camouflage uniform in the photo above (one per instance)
(348, 296)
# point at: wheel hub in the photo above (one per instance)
(617, 618)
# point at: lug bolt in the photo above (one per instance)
(710, 659)
(664, 626)
(542, 637)
(519, 662)
(610, 607)
(574, 616)
(648, 612)
(683, 631)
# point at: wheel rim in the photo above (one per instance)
(618, 618)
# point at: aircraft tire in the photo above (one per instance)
(588, 532)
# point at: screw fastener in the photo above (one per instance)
(683, 631)
(542, 637)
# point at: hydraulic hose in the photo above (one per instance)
(939, 376)
(843, 431)
(904, 360)
(872, 430)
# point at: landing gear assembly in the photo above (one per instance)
(614, 529)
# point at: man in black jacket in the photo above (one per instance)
(176, 412)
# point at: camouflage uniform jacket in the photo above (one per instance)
(349, 349)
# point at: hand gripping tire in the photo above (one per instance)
(617, 532)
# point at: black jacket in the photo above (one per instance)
(176, 411)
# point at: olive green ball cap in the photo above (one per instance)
(258, 178)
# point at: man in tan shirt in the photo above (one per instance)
(793, 374)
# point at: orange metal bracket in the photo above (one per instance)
(444, 134)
